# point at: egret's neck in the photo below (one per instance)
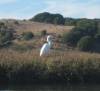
(48, 40)
(50, 43)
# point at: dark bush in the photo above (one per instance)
(72, 37)
(43, 32)
(70, 21)
(58, 19)
(6, 34)
(97, 37)
(88, 27)
(84, 27)
(16, 22)
(48, 18)
(96, 46)
(27, 35)
(5, 37)
(85, 43)
(3, 27)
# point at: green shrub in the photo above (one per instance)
(43, 32)
(97, 37)
(85, 43)
(96, 46)
(88, 27)
(3, 26)
(27, 35)
(5, 37)
(70, 21)
(72, 37)
(16, 22)
(48, 18)
(83, 28)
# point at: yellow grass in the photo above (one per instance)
(35, 27)
(29, 56)
(63, 65)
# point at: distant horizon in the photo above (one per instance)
(19, 9)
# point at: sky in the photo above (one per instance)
(25, 9)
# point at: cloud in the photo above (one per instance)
(68, 8)
(7, 1)
(92, 12)
(15, 16)
(74, 8)
(9, 16)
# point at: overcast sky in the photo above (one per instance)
(25, 9)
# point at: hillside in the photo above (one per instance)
(24, 26)
(35, 27)
(85, 34)
(64, 64)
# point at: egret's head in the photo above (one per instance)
(49, 38)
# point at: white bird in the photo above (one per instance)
(45, 50)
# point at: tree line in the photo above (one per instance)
(47, 17)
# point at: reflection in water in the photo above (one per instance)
(51, 88)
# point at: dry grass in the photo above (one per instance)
(7, 55)
(62, 64)
(67, 66)
(35, 27)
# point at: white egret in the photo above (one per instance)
(45, 50)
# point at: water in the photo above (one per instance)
(51, 88)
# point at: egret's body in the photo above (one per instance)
(45, 50)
